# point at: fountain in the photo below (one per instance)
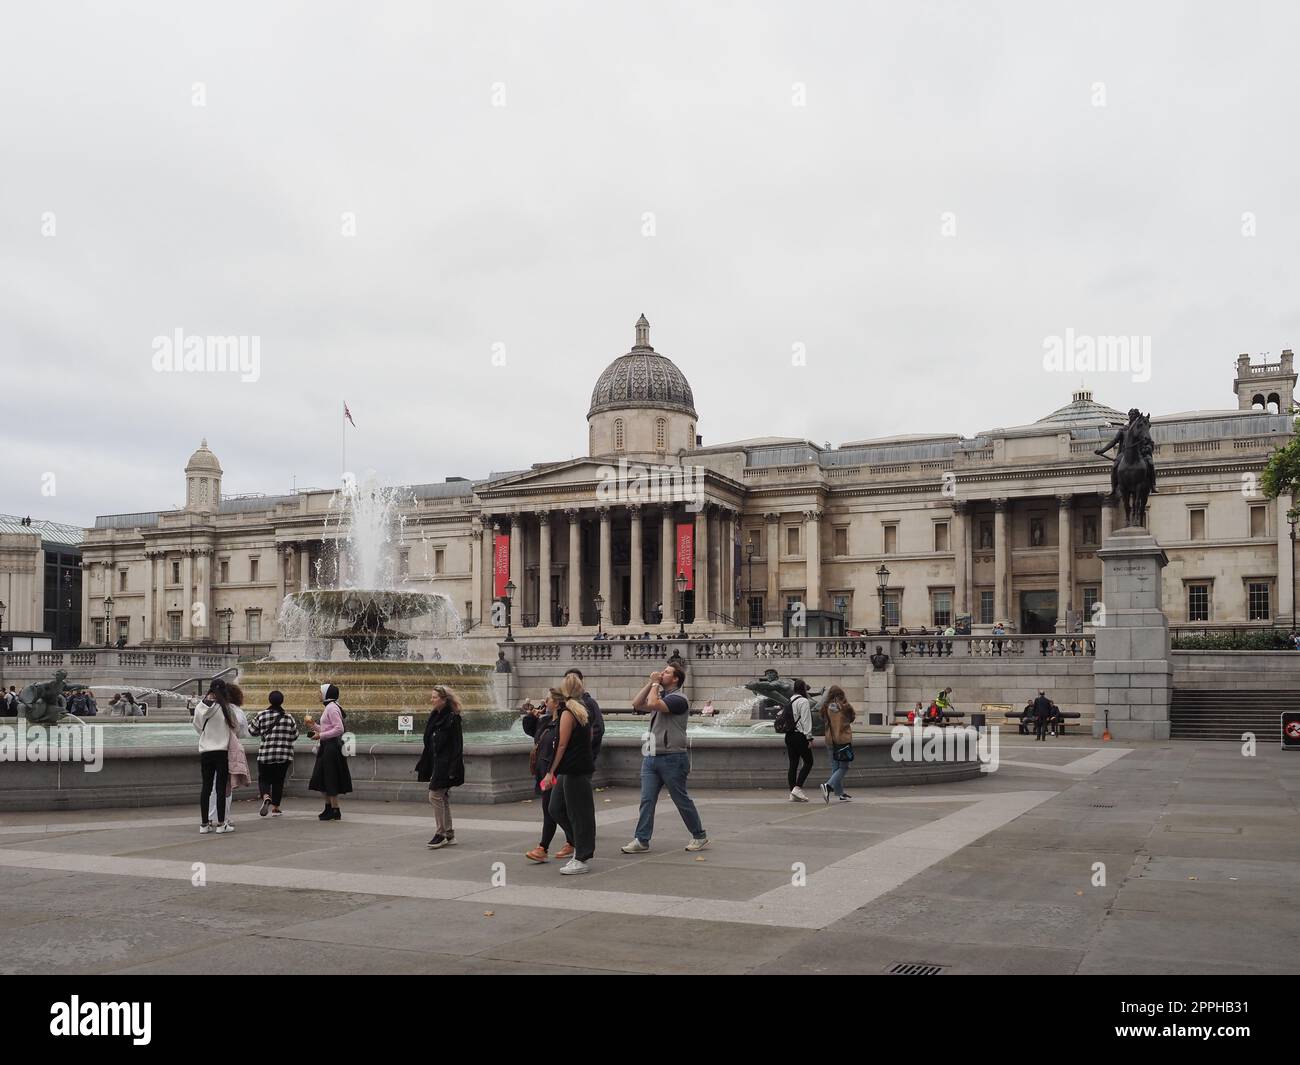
(379, 639)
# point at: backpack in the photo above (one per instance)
(784, 721)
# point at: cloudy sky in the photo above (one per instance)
(450, 216)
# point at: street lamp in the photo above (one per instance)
(510, 595)
(681, 605)
(108, 618)
(599, 601)
(2, 622)
(1292, 516)
(749, 608)
(882, 582)
(229, 615)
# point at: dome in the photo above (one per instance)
(1084, 410)
(203, 459)
(642, 378)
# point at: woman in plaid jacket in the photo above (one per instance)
(278, 731)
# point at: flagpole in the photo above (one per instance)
(344, 477)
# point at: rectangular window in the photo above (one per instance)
(986, 607)
(893, 609)
(438, 561)
(756, 610)
(891, 539)
(1257, 596)
(1197, 524)
(176, 573)
(252, 570)
(842, 603)
(174, 627)
(124, 629)
(225, 571)
(1198, 602)
(97, 630)
(941, 536)
(941, 608)
(1091, 596)
(121, 580)
(986, 536)
(1090, 529)
(254, 625)
(792, 540)
(1258, 521)
(404, 564)
(841, 541)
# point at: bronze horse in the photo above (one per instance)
(1133, 470)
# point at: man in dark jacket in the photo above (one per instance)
(593, 709)
(1042, 715)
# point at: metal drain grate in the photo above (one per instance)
(1103, 806)
(916, 968)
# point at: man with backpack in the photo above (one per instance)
(795, 720)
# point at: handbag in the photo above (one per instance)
(842, 752)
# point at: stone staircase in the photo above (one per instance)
(1224, 714)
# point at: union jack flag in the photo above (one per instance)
(348, 415)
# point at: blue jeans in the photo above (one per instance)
(672, 770)
(836, 782)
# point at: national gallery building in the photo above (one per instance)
(1003, 526)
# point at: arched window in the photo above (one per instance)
(618, 434)
(1274, 405)
(1258, 403)
(691, 441)
(661, 434)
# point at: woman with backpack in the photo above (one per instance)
(330, 775)
(542, 723)
(443, 762)
(798, 741)
(278, 732)
(214, 721)
(838, 715)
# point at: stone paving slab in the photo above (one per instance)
(991, 875)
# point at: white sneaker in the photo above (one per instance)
(797, 795)
(698, 844)
(574, 867)
(826, 793)
(635, 847)
(227, 827)
(204, 829)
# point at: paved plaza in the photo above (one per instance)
(1199, 844)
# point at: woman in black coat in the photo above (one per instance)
(541, 723)
(443, 762)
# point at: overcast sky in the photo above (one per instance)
(917, 194)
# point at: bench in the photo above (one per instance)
(1065, 717)
(948, 715)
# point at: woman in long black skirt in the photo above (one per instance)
(330, 775)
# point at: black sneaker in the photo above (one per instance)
(325, 815)
(451, 839)
(438, 841)
(265, 808)
(846, 797)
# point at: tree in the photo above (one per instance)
(1282, 471)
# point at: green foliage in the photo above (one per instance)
(1246, 640)
(1282, 473)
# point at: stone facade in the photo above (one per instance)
(1001, 526)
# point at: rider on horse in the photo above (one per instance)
(1145, 446)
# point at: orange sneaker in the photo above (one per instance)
(537, 854)
(564, 852)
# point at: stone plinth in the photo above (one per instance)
(1132, 671)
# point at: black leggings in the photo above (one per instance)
(270, 780)
(573, 805)
(798, 747)
(549, 824)
(216, 771)
(1040, 727)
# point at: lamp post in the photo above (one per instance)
(749, 608)
(681, 605)
(1293, 516)
(510, 595)
(2, 622)
(108, 618)
(229, 615)
(599, 603)
(882, 582)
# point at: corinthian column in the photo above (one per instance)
(637, 616)
(575, 565)
(1064, 561)
(999, 560)
(544, 568)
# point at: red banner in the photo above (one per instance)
(501, 564)
(686, 554)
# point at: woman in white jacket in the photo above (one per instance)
(798, 741)
(236, 763)
(215, 722)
